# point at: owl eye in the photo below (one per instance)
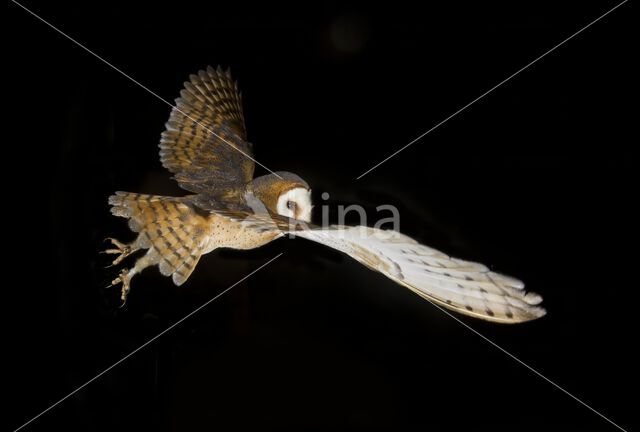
(291, 205)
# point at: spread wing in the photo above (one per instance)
(463, 286)
(204, 144)
(466, 287)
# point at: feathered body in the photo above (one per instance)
(205, 146)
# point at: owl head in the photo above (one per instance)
(285, 194)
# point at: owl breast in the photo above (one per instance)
(228, 233)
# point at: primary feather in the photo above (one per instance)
(466, 287)
(205, 146)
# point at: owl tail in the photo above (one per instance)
(174, 234)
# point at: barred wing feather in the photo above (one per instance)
(467, 287)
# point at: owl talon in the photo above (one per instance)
(123, 250)
(123, 278)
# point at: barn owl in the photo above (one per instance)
(205, 147)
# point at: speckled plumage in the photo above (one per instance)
(205, 146)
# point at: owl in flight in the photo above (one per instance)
(205, 146)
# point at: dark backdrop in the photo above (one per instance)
(534, 180)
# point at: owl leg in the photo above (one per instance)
(125, 275)
(123, 250)
(124, 278)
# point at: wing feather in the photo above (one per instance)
(464, 286)
(204, 143)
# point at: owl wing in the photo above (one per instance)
(204, 143)
(175, 234)
(466, 287)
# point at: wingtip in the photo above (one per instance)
(532, 298)
(115, 198)
(536, 312)
(541, 312)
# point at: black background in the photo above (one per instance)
(534, 180)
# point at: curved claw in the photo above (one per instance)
(123, 250)
(123, 278)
